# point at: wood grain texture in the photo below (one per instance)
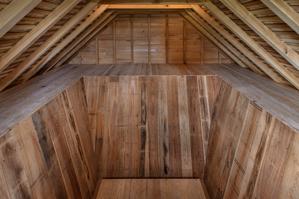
(151, 189)
(149, 126)
(250, 152)
(150, 38)
(49, 154)
(236, 129)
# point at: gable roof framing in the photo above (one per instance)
(37, 32)
(263, 31)
(14, 12)
(46, 46)
(252, 44)
(83, 40)
(210, 21)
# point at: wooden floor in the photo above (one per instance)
(151, 189)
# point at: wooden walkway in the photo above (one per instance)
(151, 189)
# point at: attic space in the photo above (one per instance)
(188, 99)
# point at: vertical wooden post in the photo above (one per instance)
(184, 46)
(149, 39)
(114, 42)
(132, 39)
(166, 39)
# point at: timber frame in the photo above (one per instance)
(30, 55)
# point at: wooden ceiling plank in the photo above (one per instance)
(78, 44)
(231, 39)
(225, 20)
(211, 37)
(148, 6)
(14, 74)
(14, 12)
(263, 31)
(284, 12)
(88, 21)
(37, 32)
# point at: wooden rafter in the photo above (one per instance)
(284, 12)
(14, 12)
(212, 38)
(148, 6)
(244, 62)
(46, 46)
(76, 45)
(263, 31)
(37, 32)
(231, 39)
(98, 12)
(225, 20)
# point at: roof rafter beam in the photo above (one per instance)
(46, 46)
(76, 45)
(211, 37)
(37, 32)
(88, 21)
(284, 12)
(14, 12)
(148, 6)
(263, 31)
(250, 55)
(225, 20)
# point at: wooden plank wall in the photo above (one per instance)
(153, 126)
(154, 38)
(49, 154)
(251, 154)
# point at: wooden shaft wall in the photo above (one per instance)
(251, 154)
(49, 154)
(150, 39)
(153, 126)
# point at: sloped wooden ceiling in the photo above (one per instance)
(40, 35)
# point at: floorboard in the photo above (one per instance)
(151, 189)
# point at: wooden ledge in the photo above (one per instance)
(20, 102)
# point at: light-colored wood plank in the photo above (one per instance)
(45, 47)
(263, 31)
(14, 12)
(91, 18)
(148, 6)
(151, 189)
(37, 32)
(284, 11)
(217, 42)
(251, 56)
(225, 20)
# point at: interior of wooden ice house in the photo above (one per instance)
(154, 99)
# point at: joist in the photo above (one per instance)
(78, 44)
(148, 6)
(98, 12)
(250, 55)
(285, 12)
(225, 20)
(46, 46)
(37, 32)
(212, 38)
(14, 12)
(263, 31)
